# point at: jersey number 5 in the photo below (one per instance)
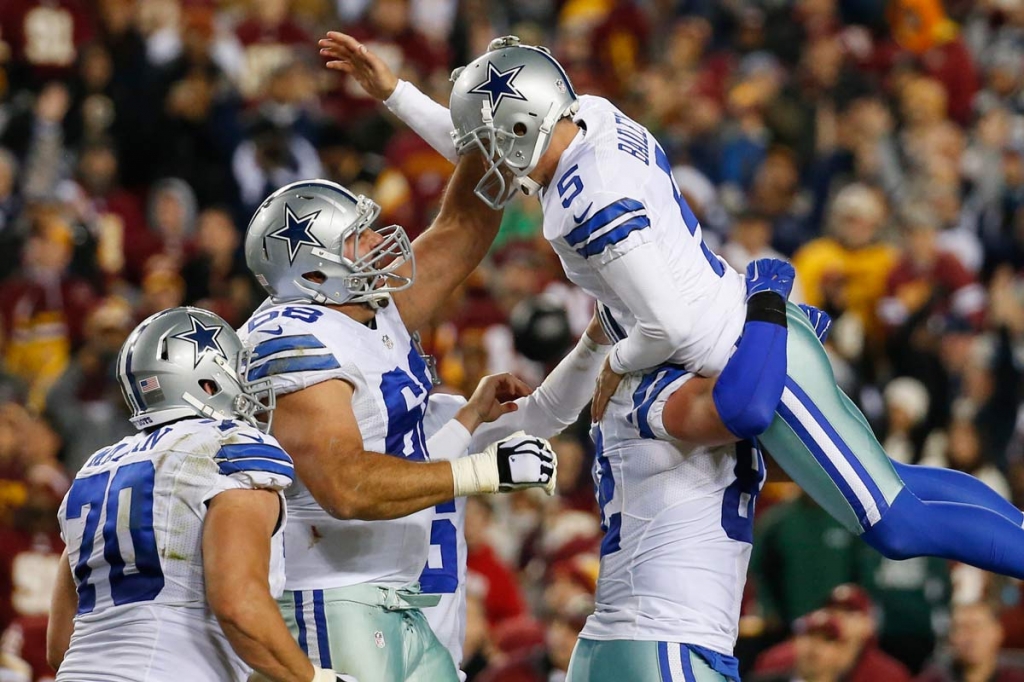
(129, 543)
(443, 576)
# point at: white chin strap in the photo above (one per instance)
(528, 185)
(202, 408)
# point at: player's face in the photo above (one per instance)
(359, 245)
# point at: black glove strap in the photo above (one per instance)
(767, 306)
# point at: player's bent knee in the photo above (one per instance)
(747, 418)
(897, 535)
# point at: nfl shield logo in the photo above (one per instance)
(388, 343)
(378, 637)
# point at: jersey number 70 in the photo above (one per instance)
(135, 573)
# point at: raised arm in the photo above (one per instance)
(451, 247)
(424, 116)
(558, 401)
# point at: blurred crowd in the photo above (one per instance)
(879, 144)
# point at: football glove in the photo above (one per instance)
(769, 274)
(517, 462)
(820, 320)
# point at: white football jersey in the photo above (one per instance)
(445, 572)
(613, 192)
(133, 524)
(678, 524)
(298, 346)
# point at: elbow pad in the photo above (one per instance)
(749, 389)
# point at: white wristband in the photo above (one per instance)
(475, 474)
(450, 442)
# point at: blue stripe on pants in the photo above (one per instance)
(684, 656)
(300, 622)
(845, 483)
(862, 473)
(320, 617)
(666, 672)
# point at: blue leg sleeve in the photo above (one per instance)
(749, 389)
(931, 484)
(961, 532)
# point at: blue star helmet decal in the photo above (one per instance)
(296, 231)
(499, 85)
(202, 337)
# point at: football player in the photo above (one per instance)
(623, 232)
(555, 405)
(336, 340)
(174, 536)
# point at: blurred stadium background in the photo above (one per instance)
(878, 144)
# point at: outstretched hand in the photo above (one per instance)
(492, 398)
(348, 55)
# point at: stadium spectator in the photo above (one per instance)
(850, 607)
(975, 636)
(502, 598)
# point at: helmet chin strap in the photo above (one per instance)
(528, 185)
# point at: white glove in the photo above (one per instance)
(328, 675)
(517, 462)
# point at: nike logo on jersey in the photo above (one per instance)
(583, 216)
(274, 332)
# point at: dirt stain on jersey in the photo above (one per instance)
(315, 536)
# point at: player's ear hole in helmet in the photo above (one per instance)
(505, 105)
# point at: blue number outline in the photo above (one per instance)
(749, 479)
(93, 491)
(569, 180)
(445, 579)
(689, 219)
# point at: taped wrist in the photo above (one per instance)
(767, 306)
(475, 474)
(323, 675)
(749, 389)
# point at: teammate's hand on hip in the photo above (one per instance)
(770, 274)
(348, 55)
(492, 398)
(607, 383)
(820, 320)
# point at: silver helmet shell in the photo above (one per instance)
(296, 247)
(505, 104)
(167, 359)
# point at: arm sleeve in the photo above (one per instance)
(556, 403)
(449, 442)
(427, 118)
(642, 279)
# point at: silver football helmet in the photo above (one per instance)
(506, 104)
(168, 362)
(296, 247)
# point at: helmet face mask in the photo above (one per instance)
(183, 362)
(505, 105)
(311, 242)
